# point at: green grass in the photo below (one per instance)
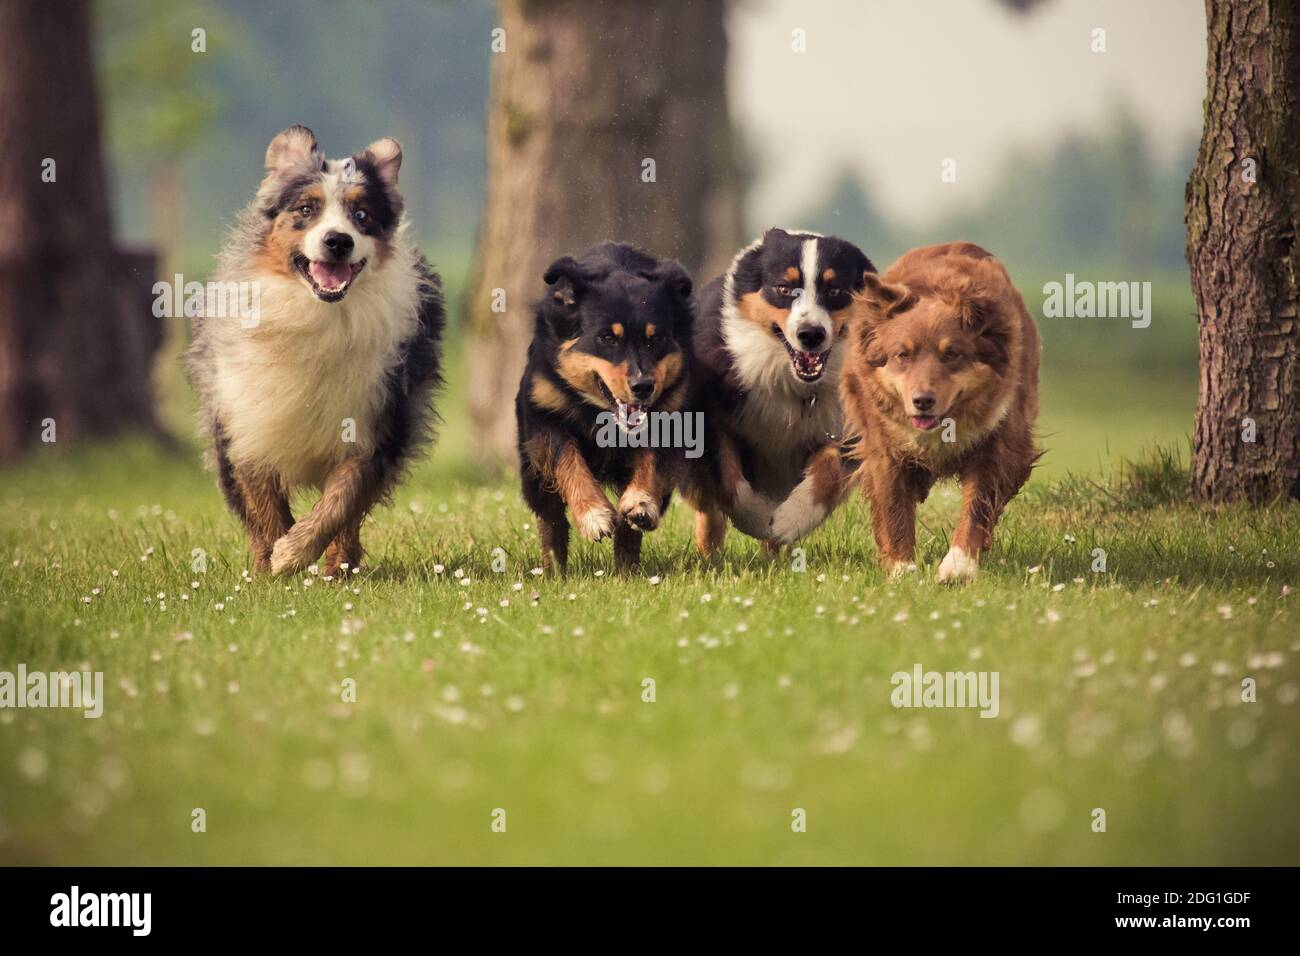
(1119, 690)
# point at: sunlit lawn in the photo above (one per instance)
(478, 690)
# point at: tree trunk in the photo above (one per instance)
(582, 96)
(77, 334)
(1243, 200)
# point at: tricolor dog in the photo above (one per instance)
(330, 386)
(607, 348)
(766, 356)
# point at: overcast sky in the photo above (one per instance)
(891, 88)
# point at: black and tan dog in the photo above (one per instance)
(766, 360)
(605, 350)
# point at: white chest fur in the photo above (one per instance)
(781, 418)
(302, 390)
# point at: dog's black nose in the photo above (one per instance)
(338, 244)
(642, 388)
(811, 337)
(923, 402)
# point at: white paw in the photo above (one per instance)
(639, 510)
(596, 523)
(289, 556)
(796, 516)
(896, 569)
(751, 512)
(957, 566)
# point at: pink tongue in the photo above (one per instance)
(331, 275)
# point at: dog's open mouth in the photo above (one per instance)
(329, 281)
(629, 415)
(808, 366)
(926, 422)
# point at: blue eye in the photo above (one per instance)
(359, 215)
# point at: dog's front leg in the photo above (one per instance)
(581, 491)
(650, 484)
(264, 508)
(348, 493)
(982, 503)
(812, 500)
(893, 518)
(748, 510)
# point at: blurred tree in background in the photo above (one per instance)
(77, 336)
(164, 99)
(605, 122)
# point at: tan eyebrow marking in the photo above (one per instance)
(792, 274)
(650, 330)
(828, 275)
(617, 329)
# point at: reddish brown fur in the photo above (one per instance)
(955, 298)
(266, 512)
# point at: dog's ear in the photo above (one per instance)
(672, 275)
(678, 283)
(883, 300)
(565, 281)
(980, 313)
(386, 156)
(875, 304)
(292, 149)
(292, 154)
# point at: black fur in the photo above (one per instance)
(770, 455)
(611, 285)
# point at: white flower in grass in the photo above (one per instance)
(438, 569)
(536, 572)
(1027, 731)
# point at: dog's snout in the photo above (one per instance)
(642, 388)
(338, 244)
(923, 402)
(811, 337)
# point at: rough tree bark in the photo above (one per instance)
(582, 95)
(77, 336)
(1243, 201)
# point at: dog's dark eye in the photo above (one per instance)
(306, 209)
(951, 355)
(783, 290)
(901, 354)
(607, 338)
(834, 293)
(359, 215)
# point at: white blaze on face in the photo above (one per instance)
(340, 176)
(806, 313)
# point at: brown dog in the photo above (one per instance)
(941, 379)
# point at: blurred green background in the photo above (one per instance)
(1099, 197)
